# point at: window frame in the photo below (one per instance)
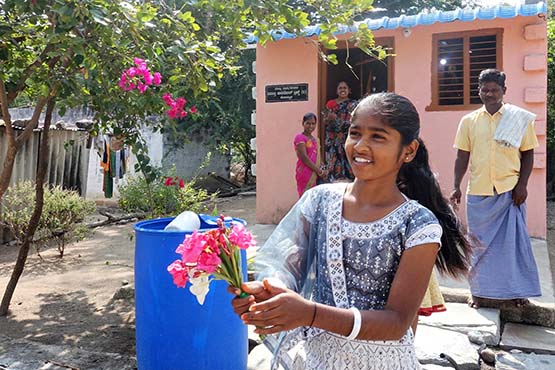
(465, 35)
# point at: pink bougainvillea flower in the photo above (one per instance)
(141, 87)
(181, 183)
(177, 106)
(169, 181)
(193, 109)
(139, 77)
(157, 78)
(241, 237)
(179, 272)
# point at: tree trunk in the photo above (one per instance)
(14, 143)
(37, 212)
(7, 168)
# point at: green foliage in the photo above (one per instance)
(75, 51)
(17, 208)
(63, 216)
(159, 198)
(224, 121)
(62, 219)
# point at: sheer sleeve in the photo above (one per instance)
(286, 254)
(423, 228)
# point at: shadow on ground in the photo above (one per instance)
(71, 319)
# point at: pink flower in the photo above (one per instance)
(167, 98)
(192, 247)
(208, 262)
(179, 272)
(168, 181)
(193, 109)
(180, 102)
(177, 106)
(139, 77)
(181, 183)
(141, 87)
(157, 79)
(148, 78)
(241, 237)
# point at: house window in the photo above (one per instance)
(458, 59)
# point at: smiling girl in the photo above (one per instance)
(343, 275)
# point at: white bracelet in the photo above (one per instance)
(356, 324)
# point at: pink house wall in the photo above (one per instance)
(293, 61)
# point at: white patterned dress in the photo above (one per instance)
(333, 261)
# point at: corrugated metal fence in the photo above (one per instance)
(68, 159)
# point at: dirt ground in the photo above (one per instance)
(85, 299)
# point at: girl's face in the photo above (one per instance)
(343, 90)
(309, 125)
(374, 148)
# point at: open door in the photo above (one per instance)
(363, 73)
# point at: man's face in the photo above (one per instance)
(491, 93)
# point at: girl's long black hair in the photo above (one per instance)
(417, 181)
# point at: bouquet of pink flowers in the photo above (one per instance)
(215, 252)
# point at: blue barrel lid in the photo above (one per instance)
(157, 225)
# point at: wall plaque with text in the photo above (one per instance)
(286, 93)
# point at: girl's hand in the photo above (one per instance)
(257, 293)
(286, 310)
(241, 305)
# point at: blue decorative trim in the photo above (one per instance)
(424, 18)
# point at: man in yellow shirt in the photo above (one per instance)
(498, 140)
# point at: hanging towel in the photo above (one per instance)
(512, 125)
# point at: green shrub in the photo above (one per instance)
(62, 218)
(164, 196)
(17, 208)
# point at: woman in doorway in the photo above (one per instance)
(337, 118)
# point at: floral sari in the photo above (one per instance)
(336, 134)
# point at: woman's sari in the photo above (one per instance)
(306, 178)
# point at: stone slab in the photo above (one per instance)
(528, 338)
(482, 323)
(524, 361)
(431, 342)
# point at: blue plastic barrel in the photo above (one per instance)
(173, 331)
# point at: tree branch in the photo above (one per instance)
(33, 123)
(6, 112)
